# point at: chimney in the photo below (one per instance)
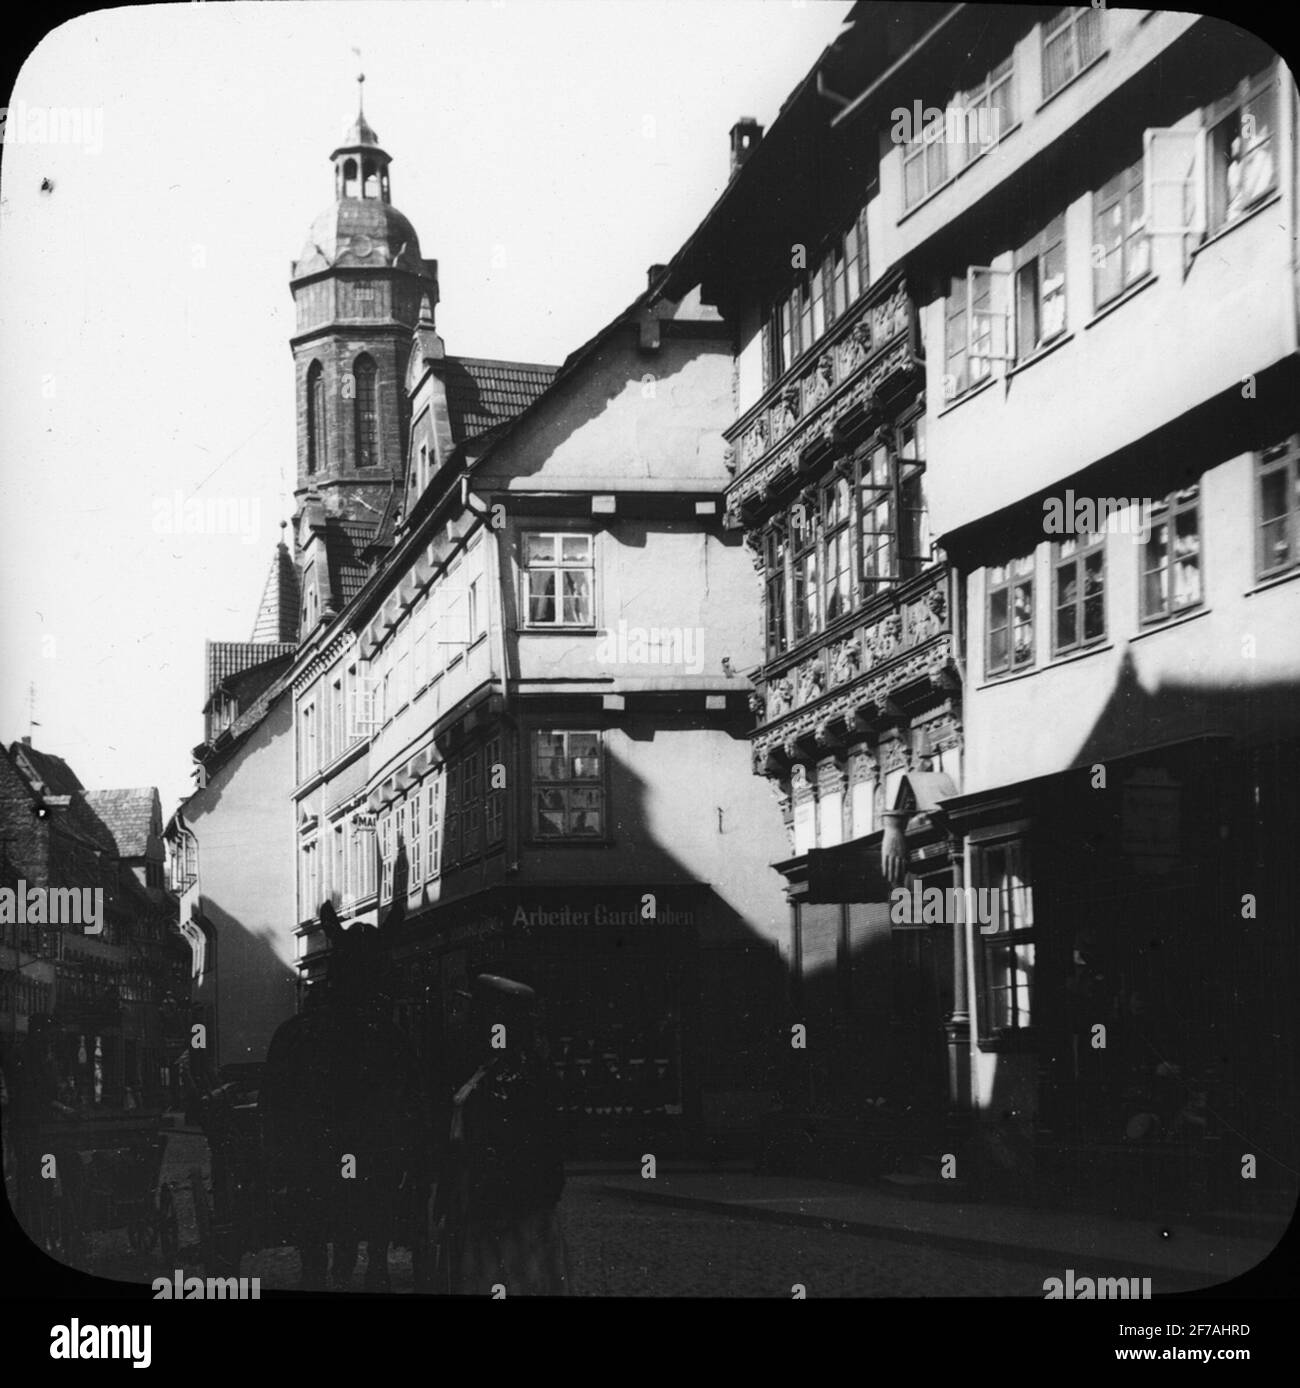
(745, 135)
(27, 739)
(653, 274)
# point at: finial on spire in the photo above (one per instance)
(361, 83)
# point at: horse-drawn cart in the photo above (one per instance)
(246, 1206)
(104, 1175)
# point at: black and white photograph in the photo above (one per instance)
(708, 710)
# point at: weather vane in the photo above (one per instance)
(361, 79)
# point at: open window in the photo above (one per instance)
(1173, 182)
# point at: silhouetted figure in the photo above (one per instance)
(505, 1169)
(344, 1117)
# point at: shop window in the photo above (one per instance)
(559, 577)
(1079, 592)
(1009, 617)
(1171, 557)
(1008, 939)
(568, 785)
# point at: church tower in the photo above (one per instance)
(358, 286)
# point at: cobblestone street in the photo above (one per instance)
(628, 1248)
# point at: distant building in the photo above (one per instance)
(119, 997)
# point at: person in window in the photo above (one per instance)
(1250, 167)
(504, 1173)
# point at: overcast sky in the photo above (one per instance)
(546, 152)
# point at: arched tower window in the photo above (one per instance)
(367, 413)
(349, 178)
(315, 417)
(370, 188)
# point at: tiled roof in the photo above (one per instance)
(57, 775)
(127, 815)
(227, 658)
(483, 393)
(345, 542)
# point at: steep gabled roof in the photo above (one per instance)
(226, 658)
(54, 774)
(128, 815)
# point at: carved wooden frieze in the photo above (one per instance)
(878, 343)
(799, 720)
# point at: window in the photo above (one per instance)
(308, 751)
(1079, 574)
(494, 796)
(568, 785)
(451, 817)
(972, 122)
(338, 739)
(1008, 939)
(415, 838)
(387, 853)
(434, 790)
(876, 508)
(365, 291)
(1278, 492)
(1171, 557)
(1040, 290)
(309, 881)
(1009, 617)
(988, 110)
(837, 525)
(315, 417)
(774, 557)
(559, 575)
(1071, 41)
(925, 163)
(1242, 150)
(337, 866)
(977, 328)
(807, 592)
(367, 411)
(471, 805)
(422, 476)
(1121, 247)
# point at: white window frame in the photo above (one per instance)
(557, 567)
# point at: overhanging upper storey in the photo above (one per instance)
(866, 368)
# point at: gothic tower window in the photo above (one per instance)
(315, 417)
(367, 413)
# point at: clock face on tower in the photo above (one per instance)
(362, 246)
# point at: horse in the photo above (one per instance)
(345, 1128)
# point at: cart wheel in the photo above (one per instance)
(168, 1224)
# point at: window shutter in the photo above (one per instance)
(1173, 182)
(767, 351)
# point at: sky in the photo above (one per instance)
(161, 168)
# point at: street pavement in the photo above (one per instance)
(732, 1234)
